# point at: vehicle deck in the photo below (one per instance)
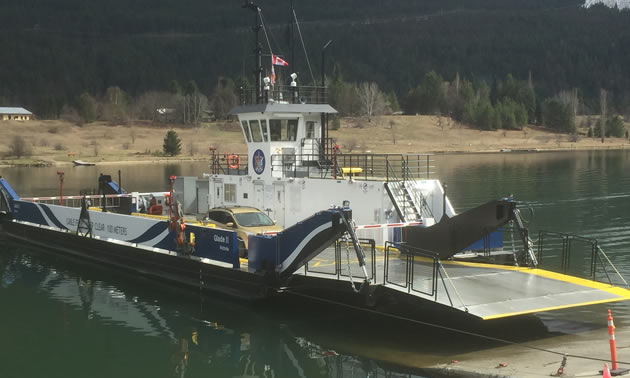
(484, 290)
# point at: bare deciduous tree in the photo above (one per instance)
(602, 104)
(393, 131)
(372, 100)
(19, 147)
(113, 108)
(352, 144)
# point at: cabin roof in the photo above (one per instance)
(283, 108)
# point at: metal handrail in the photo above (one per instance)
(410, 255)
(601, 251)
(370, 243)
(387, 167)
(221, 164)
(565, 255)
(419, 199)
(111, 200)
(286, 94)
(419, 203)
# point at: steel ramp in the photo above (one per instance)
(484, 290)
(491, 291)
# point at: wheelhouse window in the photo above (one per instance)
(255, 127)
(283, 130)
(246, 131)
(263, 126)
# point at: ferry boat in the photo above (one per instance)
(336, 209)
(318, 258)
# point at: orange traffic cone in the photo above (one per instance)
(613, 344)
(606, 372)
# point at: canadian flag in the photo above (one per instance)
(275, 59)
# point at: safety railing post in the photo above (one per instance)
(436, 268)
(593, 259)
(338, 259)
(408, 273)
(385, 266)
(541, 238)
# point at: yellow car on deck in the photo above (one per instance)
(244, 220)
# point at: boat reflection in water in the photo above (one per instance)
(161, 327)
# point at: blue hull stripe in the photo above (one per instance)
(28, 211)
(52, 217)
(151, 233)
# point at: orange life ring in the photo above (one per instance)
(234, 161)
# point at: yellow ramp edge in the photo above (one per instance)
(621, 293)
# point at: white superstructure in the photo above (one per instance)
(293, 170)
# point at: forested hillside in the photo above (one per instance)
(52, 51)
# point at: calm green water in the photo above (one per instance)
(62, 318)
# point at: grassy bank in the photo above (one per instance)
(58, 142)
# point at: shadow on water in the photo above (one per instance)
(131, 325)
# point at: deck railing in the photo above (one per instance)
(386, 167)
(421, 269)
(229, 164)
(344, 261)
(574, 250)
(286, 94)
(109, 200)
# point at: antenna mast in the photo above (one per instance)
(249, 4)
(292, 35)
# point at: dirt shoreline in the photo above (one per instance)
(58, 143)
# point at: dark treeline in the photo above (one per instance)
(52, 52)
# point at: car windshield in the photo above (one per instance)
(253, 219)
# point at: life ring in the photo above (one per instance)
(234, 161)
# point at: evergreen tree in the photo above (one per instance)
(615, 127)
(597, 132)
(393, 101)
(558, 116)
(431, 95)
(174, 87)
(485, 116)
(521, 115)
(86, 107)
(172, 144)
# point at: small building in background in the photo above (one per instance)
(15, 114)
